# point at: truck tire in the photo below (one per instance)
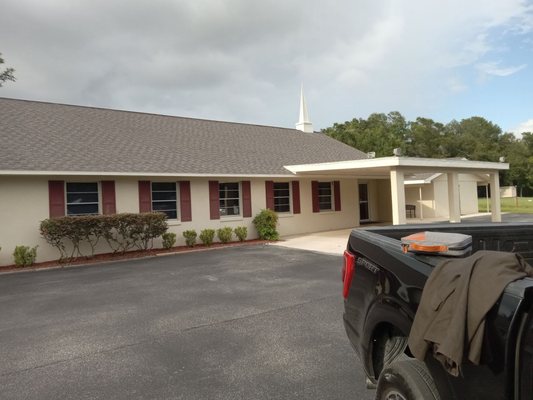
(406, 380)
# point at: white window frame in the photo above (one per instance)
(98, 203)
(332, 195)
(290, 198)
(225, 216)
(178, 199)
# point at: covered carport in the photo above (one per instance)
(397, 168)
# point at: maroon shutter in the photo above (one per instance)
(295, 197)
(109, 205)
(314, 194)
(185, 201)
(214, 200)
(145, 196)
(246, 199)
(337, 195)
(56, 198)
(269, 188)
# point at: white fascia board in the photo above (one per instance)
(397, 162)
(133, 174)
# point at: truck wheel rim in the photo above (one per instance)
(394, 395)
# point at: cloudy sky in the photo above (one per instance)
(244, 60)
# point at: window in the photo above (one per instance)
(282, 197)
(230, 199)
(164, 198)
(325, 196)
(82, 198)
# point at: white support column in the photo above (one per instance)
(454, 202)
(421, 206)
(495, 207)
(398, 197)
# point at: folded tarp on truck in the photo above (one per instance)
(456, 298)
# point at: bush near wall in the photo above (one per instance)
(122, 232)
(266, 223)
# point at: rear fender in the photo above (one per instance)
(386, 319)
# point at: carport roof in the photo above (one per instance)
(381, 167)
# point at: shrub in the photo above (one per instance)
(24, 256)
(207, 236)
(225, 234)
(190, 237)
(120, 231)
(146, 227)
(265, 222)
(241, 232)
(169, 240)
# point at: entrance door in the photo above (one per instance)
(363, 203)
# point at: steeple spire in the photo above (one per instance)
(303, 123)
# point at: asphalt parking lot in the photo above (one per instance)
(254, 322)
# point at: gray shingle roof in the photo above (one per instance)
(37, 136)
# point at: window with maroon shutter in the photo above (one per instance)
(229, 199)
(185, 201)
(165, 198)
(295, 197)
(56, 198)
(282, 197)
(246, 199)
(337, 195)
(325, 196)
(269, 189)
(82, 198)
(108, 197)
(314, 195)
(145, 198)
(214, 210)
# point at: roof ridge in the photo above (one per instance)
(149, 113)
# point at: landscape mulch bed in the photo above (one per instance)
(107, 257)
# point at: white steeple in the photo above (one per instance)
(303, 123)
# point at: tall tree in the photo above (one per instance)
(380, 133)
(425, 139)
(6, 74)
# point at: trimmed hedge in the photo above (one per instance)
(190, 237)
(207, 236)
(24, 256)
(122, 232)
(225, 234)
(169, 240)
(241, 232)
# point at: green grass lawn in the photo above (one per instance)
(520, 205)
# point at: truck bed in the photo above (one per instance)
(386, 289)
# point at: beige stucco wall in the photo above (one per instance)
(384, 201)
(24, 203)
(427, 204)
(467, 194)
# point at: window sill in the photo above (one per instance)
(285, 215)
(326, 212)
(231, 218)
(173, 222)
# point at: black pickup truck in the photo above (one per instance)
(382, 291)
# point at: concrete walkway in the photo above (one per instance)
(334, 242)
(329, 242)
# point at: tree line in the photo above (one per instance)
(473, 138)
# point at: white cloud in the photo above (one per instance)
(495, 69)
(526, 126)
(456, 85)
(244, 60)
